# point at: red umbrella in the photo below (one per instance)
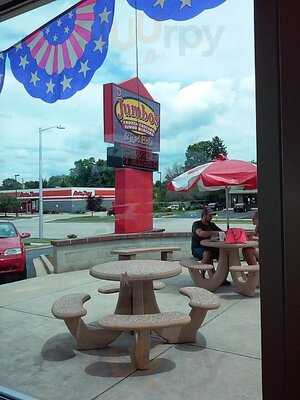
(221, 173)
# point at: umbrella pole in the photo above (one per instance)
(227, 205)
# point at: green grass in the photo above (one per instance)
(88, 218)
(30, 240)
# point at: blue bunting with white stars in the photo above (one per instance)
(178, 10)
(2, 69)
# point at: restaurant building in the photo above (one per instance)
(61, 200)
(243, 196)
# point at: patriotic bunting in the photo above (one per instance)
(61, 58)
(2, 69)
(178, 10)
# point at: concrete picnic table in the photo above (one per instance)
(137, 310)
(228, 257)
(136, 295)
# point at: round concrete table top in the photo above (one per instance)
(222, 245)
(136, 270)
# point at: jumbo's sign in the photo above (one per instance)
(131, 118)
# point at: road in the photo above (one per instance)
(179, 223)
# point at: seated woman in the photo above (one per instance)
(250, 254)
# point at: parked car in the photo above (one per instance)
(215, 206)
(173, 207)
(110, 211)
(241, 207)
(12, 251)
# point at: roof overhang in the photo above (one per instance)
(11, 8)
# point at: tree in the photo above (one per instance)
(81, 172)
(159, 194)
(59, 181)
(32, 185)
(204, 152)
(101, 175)
(91, 173)
(217, 147)
(174, 171)
(93, 204)
(198, 154)
(9, 204)
(11, 184)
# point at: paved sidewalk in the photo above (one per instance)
(40, 360)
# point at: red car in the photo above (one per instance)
(12, 251)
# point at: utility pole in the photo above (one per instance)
(16, 183)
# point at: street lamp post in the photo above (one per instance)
(160, 191)
(16, 183)
(41, 131)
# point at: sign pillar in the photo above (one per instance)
(133, 204)
(132, 124)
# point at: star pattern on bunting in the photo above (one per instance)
(18, 46)
(160, 3)
(99, 44)
(66, 83)
(84, 67)
(185, 3)
(104, 16)
(61, 58)
(34, 78)
(50, 86)
(177, 10)
(23, 61)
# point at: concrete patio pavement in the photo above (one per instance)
(38, 356)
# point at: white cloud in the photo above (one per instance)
(201, 110)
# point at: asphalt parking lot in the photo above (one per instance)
(171, 223)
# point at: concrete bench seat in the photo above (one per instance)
(115, 287)
(245, 278)
(142, 326)
(201, 301)
(144, 321)
(194, 264)
(129, 254)
(245, 268)
(70, 309)
(70, 306)
(201, 298)
(203, 275)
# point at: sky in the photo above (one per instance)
(201, 71)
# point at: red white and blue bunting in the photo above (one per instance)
(60, 58)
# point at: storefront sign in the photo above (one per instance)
(83, 193)
(28, 194)
(131, 119)
(123, 156)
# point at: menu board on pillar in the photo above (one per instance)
(132, 125)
